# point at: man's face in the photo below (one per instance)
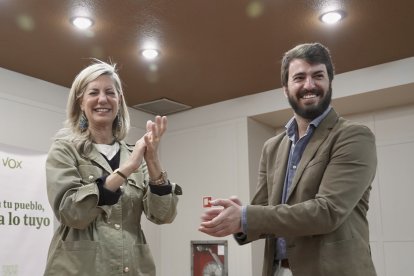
(308, 89)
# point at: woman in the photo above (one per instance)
(98, 186)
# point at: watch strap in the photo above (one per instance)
(118, 172)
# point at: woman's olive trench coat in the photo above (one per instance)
(100, 240)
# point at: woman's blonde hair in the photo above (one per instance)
(72, 130)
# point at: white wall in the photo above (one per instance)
(214, 150)
(209, 160)
(31, 111)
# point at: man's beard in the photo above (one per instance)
(312, 111)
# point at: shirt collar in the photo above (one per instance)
(291, 126)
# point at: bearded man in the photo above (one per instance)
(314, 182)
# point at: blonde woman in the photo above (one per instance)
(98, 186)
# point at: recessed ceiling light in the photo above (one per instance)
(82, 22)
(332, 17)
(150, 53)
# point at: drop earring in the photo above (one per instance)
(119, 122)
(83, 122)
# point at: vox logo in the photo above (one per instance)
(11, 163)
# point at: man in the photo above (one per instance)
(314, 183)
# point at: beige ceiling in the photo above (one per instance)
(211, 50)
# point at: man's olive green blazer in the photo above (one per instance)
(324, 220)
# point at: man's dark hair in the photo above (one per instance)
(313, 53)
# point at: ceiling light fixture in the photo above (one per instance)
(150, 53)
(332, 17)
(82, 23)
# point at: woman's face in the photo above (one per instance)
(100, 102)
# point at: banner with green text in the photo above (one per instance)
(26, 219)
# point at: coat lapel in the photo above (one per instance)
(318, 137)
(124, 152)
(97, 157)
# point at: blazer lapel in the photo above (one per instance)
(280, 166)
(318, 137)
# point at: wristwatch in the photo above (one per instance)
(118, 172)
(162, 179)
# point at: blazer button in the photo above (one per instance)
(126, 269)
(117, 226)
(90, 177)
